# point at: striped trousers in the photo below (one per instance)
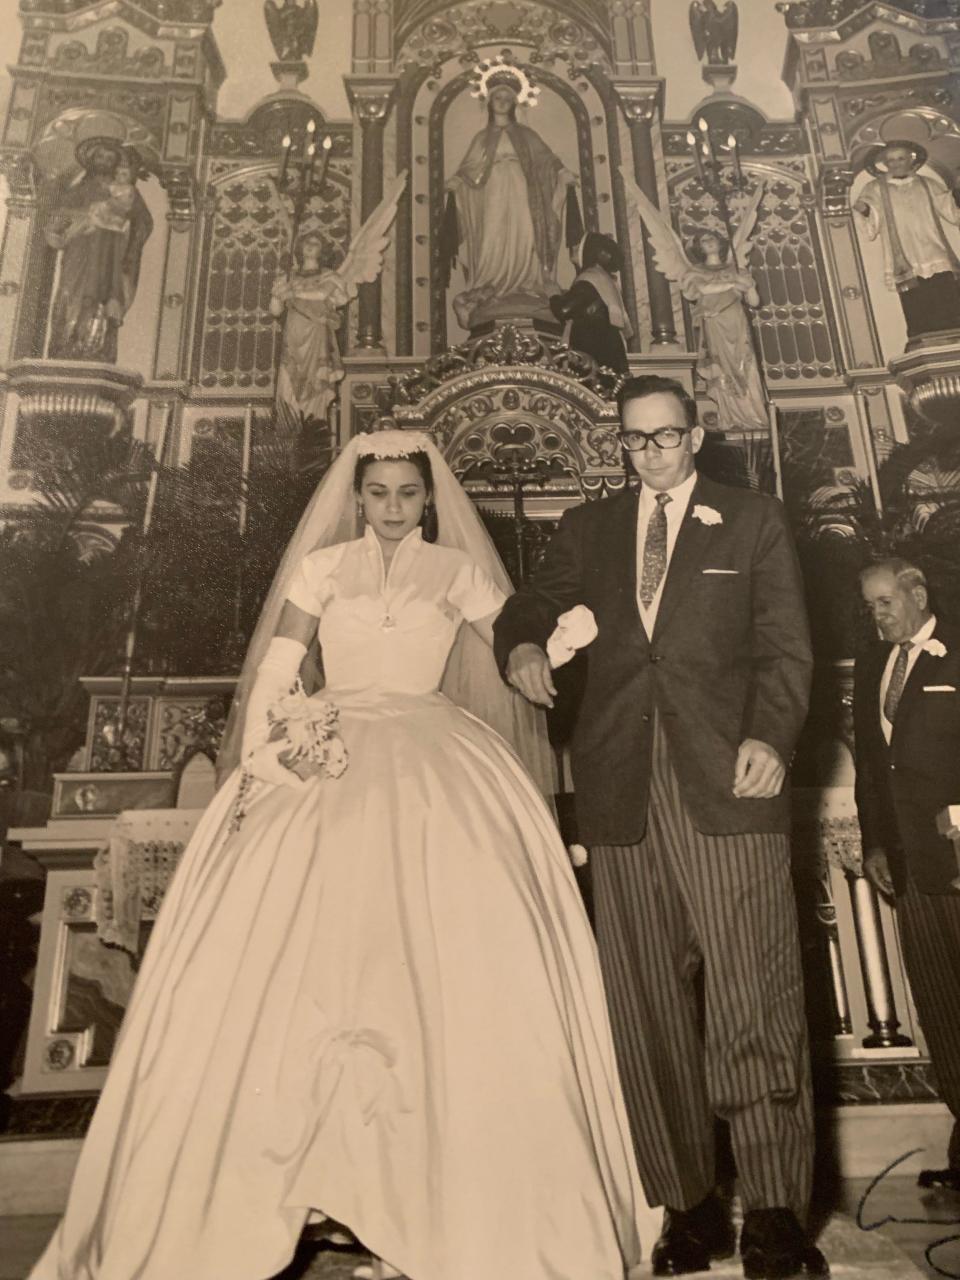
(929, 926)
(676, 907)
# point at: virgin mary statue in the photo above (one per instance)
(506, 208)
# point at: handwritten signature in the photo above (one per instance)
(932, 1253)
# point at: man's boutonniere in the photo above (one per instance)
(935, 648)
(707, 515)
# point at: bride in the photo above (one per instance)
(373, 995)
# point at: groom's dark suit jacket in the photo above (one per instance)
(729, 659)
(902, 787)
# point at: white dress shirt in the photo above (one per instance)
(924, 634)
(675, 510)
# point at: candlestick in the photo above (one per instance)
(775, 447)
(245, 470)
(325, 159)
(155, 474)
(695, 148)
(735, 151)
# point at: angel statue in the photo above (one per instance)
(710, 277)
(311, 296)
(714, 29)
(292, 26)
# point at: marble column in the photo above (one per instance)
(875, 969)
(370, 97)
(19, 303)
(641, 101)
(177, 295)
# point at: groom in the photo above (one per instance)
(696, 690)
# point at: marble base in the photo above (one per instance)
(862, 1141)
(35, 1174)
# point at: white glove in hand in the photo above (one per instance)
(575, 629)
(276, 676)
(264, 763)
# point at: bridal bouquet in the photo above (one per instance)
(311, 728)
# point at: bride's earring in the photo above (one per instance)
(428, 522)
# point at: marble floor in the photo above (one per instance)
(896, 1209)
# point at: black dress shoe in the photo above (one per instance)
(774, 1246)
(692, 1237)
(941, 1179)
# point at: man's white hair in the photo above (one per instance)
(907, 574)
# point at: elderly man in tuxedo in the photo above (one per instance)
(907, 724)
(696, 690)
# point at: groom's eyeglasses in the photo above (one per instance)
(663, 438)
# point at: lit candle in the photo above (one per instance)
(311, 127)
(695, 148)
(155, 473)
(286, 144)
(245, 470)
(734, 148)
(705, 140)
(311, 157)
(326, 144)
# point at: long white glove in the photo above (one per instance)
(276, 676)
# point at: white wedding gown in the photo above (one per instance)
(380, 998)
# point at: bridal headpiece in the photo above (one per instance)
(392, 444)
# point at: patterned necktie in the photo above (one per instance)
(898, 678)
(654, 551)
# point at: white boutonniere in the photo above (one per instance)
(935, 648)
(575, 629)
(707, 515)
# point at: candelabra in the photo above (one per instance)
(710, 160)
(299, 177)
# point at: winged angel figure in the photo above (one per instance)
(310, 364)
(710, 278)
(292, 27)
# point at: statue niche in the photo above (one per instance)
(99, 224)
(511, 206)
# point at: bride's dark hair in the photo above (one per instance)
(428, 521)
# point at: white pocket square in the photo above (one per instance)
(939, 688)
(730, 571)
